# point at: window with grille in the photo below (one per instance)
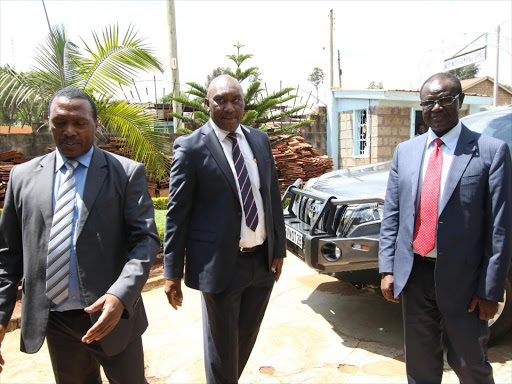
(361, 133)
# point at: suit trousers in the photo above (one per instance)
(75, 362)
(232, 319)
(425, 327)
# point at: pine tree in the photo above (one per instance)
(467, 72)
(258, 107)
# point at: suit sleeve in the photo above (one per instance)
(390, 220)
(277, 209)
(498, 246)
(11, 254)
(181, 194)
(143, 242)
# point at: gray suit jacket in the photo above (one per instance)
(204, 212)
(116, 245)
(474, 241)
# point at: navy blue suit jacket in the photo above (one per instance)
(474, 241)
(204, 212)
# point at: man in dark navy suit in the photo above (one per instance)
(225, 218)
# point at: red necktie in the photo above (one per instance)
(426, 219)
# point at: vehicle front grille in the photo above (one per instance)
(329, 221)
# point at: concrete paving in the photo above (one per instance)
(316, 330)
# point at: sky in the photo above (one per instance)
(398, 43)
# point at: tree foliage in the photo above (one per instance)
(374, 85)
(316, 78)
(99, 68)
(260, 106)
(467, 72)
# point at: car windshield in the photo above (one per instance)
(497, 123)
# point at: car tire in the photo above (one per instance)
(500, 325)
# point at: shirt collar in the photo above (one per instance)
(84, 159)
(450, 138)
(221, 134)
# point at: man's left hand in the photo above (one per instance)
(486, 308)
(277, 266)
(112, 308)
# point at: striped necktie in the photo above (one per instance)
(59, 247)
(251, 213)
(426, 219)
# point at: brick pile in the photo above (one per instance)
(295, 159)
(7, 162)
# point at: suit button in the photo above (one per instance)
(239, 213)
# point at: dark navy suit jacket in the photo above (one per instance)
(204, 212)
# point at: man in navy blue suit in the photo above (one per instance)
(445, 241)
(225, 218)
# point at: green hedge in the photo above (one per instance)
(160, 202)
(161, 236)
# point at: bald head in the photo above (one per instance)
(225, 102)
(223, 82)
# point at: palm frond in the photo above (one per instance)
(17, 88)
(133, 123)
(113, 61)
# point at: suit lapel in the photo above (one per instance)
(464, 151)
(215, 148)
(45, 175)
(95, 178)
(415, 160)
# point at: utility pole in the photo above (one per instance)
(173, 53)
(331, 49)
(495, 96)
(339, 67)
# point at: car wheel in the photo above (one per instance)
(502, 322)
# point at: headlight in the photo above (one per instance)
(360, 216)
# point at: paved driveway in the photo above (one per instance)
(316, 330)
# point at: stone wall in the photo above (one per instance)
(388, 127)
(32, 145)
(316, 133)
(486, 87)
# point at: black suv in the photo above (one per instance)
(333, 223)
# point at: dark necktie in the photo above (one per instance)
(59, 248)
(251, 213)
(426, 219)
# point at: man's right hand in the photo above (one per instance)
(386, 286)
(173, 292)
(3, 330)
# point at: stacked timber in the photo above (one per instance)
(7, 162)
(295, 159)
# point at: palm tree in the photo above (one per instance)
(99, 69)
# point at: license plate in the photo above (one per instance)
(294, 236)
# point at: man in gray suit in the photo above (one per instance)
(78, 230)
(445, 242)
(225, 217)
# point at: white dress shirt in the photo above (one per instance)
(248, 237)
(450, 140)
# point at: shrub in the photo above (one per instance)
(160, 202)
(161, 236)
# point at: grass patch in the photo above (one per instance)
(160, 219)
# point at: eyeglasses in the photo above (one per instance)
(443, 102)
